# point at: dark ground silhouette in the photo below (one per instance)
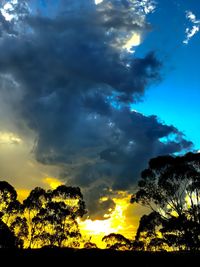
(96, 257)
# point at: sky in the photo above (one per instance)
(91, 90)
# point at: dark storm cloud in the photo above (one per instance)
(5, 26)
(75, 52)
(130, 140)
(96, 205)
(74, 76)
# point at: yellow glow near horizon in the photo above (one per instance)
(123, 219)
(53, 183)
(116, 223)
(97, 229)
(135, 40)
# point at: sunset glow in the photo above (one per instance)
(116, 223)
(53, 183)
(99, 103)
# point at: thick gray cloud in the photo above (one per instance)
(76, 83)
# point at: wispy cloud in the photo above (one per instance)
(194, 29)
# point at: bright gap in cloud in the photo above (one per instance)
(9, 138)
(52, 182)
(115, 222)
(135, 40)
(7, 10)
(98, 1)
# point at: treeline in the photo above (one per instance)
(169, 187)
(45, 218)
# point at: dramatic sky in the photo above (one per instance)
(91, 90)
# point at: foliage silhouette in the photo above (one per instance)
(8, 199)
(170, 187)
(7, 237)
(90, 245)
(53, 214)
(46, 218)
(117, 241)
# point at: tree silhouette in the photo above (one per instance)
(8, 199)
(10, 211)
(19, 228)
(148, 231)
(138, 245)
(32, 206)
(170, 187)
(52, 215)
(90, 245)
(117, 241)
(7, 237)
(46, 218)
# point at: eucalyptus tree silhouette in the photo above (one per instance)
(170, 187)
(52, 215)
(117, 241)
(10, 212)
(147, 231)
(90, 245)
(46, 218)
(7, 237)
(8, 198)
(32, 206)
(19, 228)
